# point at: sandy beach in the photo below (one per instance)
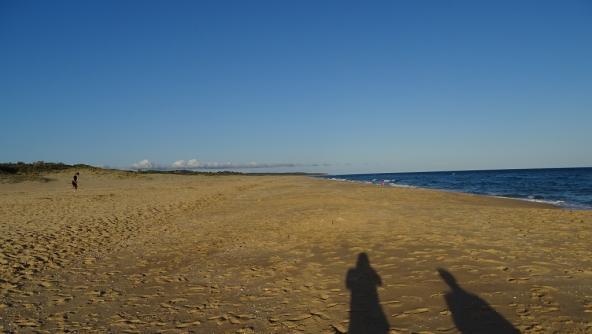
(132, 253)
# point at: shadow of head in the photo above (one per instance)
(448, 278)
(363, 261)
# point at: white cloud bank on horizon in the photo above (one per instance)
(142, 164)
(195, 164)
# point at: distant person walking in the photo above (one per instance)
(75, 181)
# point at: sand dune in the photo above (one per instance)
(241, 254)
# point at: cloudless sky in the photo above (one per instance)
(365, 86)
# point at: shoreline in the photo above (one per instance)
(550, 203)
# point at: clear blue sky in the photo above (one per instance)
(362, 86)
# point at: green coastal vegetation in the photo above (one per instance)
(38, 167)
(12, 172)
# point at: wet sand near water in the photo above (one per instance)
(285, 254)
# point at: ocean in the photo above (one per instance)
(565, 187)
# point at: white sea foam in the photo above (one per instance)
(534, 200)
(401, 185)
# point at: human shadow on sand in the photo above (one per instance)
(472, 314)
(365, 313)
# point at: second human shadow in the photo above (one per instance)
(470, 313)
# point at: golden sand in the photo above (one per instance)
(244, 254)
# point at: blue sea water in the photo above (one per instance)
(566, 187)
